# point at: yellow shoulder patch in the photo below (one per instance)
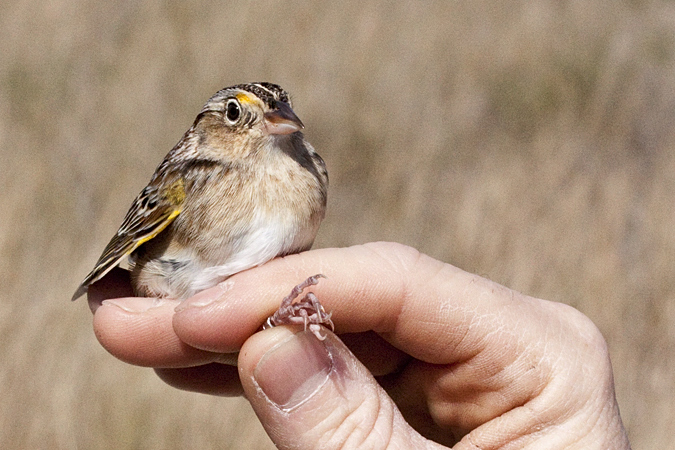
(175, 194)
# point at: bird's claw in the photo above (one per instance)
(307, 311)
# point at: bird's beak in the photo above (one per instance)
(282, 120)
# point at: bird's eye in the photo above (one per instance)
(232, 111)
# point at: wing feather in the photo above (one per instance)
(150, 213)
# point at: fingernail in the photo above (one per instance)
(136, 304)
(207, 297)
(294, 370)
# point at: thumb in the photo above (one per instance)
(312, 394)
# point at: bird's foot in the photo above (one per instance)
(307, 311)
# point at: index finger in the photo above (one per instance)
(420, 305)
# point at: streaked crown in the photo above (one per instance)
(268, 93)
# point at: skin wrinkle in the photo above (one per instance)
(337, 376)
(468, 330)
(376, 433)
(384, 404)
(595, 415)
(549, 418)
(392, 419)
(575, 437)
(401, 293)
(527, 368)
(477, 315)
(596, 345)
(469, 437)
(377, 417)
(461, 342)
(523, 433)
(511, 367)
(350, 424)
(546, 359)
(537, 426)
(331, 427)
(291, 266)
(542, 414)
(422, 278)
(439, 406)
(374, 429)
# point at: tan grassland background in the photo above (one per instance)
(531, 142)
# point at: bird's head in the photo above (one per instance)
(240, 118)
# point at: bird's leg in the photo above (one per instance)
(307, 311)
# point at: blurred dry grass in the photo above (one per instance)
(530, 142)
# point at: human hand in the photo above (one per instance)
(462, 358)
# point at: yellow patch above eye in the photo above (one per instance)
(244, 99)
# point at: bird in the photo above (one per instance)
(241, 187)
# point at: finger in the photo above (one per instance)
(362, 295)
(212, 379)
(315, 394)
(139, 331)
(420, 305)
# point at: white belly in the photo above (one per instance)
(184, 274)
(265, 240)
